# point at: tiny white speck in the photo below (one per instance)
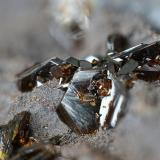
(91, 58)
(148, 59)
(64, 85)
(110, 53)
(60, 81)
(118, 59)
(39, 84)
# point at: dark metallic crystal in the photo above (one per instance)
(38, 151)
(42, 72)
(77, 102)
(96, 88)
(116, 42)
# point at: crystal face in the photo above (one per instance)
(14, 134)
(43, 72)
(79, 106)
(90, 97)
(96, 87)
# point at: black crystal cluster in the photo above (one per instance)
(96, 87)
(96, 92)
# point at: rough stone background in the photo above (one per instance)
(24, 39)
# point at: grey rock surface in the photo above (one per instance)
(42, 103)
(137, 136)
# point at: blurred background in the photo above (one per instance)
(30, 27)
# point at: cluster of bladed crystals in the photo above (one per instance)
(14, 135)
(96, 88)
(16, 143)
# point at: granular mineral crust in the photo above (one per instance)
(41, 103)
